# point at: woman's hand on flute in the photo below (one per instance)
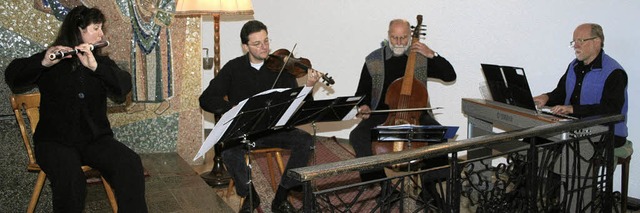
(86, 56)
(47, 62)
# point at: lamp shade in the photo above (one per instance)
(223, 7)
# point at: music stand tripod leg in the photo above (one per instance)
(313, 143)
(313, 184)
(249, 183)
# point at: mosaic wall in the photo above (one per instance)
(162, 53)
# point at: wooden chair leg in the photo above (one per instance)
(230, 188)
(36, 192)
(625, 182)
(281, 167)
(270, 164)
(110, 195)
(271, 173)
(240, 203)
(280, 163)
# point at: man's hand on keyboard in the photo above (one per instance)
(557, 111)
(562, 109)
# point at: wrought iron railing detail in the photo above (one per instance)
(572, 174)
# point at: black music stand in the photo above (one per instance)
(410, 133)
(259, 113)
(419, 133)
(323, 111)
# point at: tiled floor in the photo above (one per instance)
(221, 191)
(172, 186)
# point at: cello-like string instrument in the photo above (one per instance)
(406, 92)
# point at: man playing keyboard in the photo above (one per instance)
(594, 83)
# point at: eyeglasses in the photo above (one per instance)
(259, 44)
(580, 41)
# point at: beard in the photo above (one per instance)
(398, 50)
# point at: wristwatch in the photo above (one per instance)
(435, 54)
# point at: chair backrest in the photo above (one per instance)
(30, 105)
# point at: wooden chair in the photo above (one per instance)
(624, 163)
(623, 158)
(271, 153)
(30, 104)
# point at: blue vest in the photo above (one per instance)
(593, 85)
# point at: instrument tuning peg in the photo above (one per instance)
(412, 27)
(424, 34)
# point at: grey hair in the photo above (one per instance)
(403, 21)
(596, 30)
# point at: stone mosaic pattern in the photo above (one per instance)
(151, 50)
(177, 118)
(188, 84)
(16, 21)
(151, 135)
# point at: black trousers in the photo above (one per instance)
(118, 164)
(296, 140)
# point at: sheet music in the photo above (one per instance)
(294, 106)
(354, 111)
(223, 124)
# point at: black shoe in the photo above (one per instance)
(282, 207)
(246, 208)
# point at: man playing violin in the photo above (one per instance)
(381, 68)
(244, 77)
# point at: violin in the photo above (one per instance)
(284, 60)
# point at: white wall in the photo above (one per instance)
(336, 35)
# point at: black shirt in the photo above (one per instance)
(237, 81)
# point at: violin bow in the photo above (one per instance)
(284, 65)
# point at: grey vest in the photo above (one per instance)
(375, 64)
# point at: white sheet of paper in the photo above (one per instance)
(294, 106)
(354, 111)
(223, 124)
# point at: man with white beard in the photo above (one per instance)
(381, 68)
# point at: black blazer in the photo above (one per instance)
(73, 103)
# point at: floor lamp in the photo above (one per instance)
(218, 175)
